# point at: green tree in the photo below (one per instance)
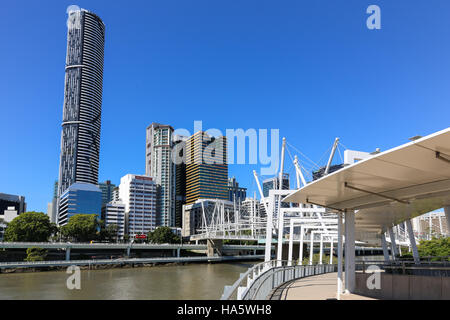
(36, 254)
(316, 259)
(30, 227)
(163, 235)
(82, 228)
(110, 232)
(436, 248)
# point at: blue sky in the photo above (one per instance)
(311, 69)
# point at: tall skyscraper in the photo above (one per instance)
(80, 137)
(179, 149)
(160, 167)
(206, 167)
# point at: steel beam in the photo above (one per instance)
(374, 193)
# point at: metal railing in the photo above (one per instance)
(81, 245)
(259, 281)
(426, 267)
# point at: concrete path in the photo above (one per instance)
(321, 287)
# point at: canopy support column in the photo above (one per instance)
(280, 234)
(350, 251)
(321, 249)
(412, 241)
(300, 255)
(394, 249)
(331, 250)
(385, 248)
(291, 242)
(340, 255)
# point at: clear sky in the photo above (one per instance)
(311, 69)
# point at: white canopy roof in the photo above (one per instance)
(389, 187)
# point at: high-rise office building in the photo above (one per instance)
(138, 194)
(321, 172)
(236, 193)
(273, 183)
(252, 207)
(79, 198)
(206, 167)
(179, 147)
(10, 200)
(107, 191)
(80, 136)
(160, 167)
(51, 210)
(52, 207)
(115, 194)
(429, 225)
(113, 213)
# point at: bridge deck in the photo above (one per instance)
(321, 287)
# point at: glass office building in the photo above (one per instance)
(236, 193)
(107, 191)
(79, 198)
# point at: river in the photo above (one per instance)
(170, 282)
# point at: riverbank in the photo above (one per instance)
(39, 266)
(92, 267)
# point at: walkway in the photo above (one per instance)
(321, 287)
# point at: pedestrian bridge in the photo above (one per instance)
(404, 280)
(62, 263)
(370, 198)
(124, 246)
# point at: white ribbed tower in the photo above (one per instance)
(80, 137)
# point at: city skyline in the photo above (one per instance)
(250, 99)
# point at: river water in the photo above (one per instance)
(170, 282)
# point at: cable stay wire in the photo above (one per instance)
(301, 167)
(339, 142)
(340, 155)
(325, 153)
(302, 154)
